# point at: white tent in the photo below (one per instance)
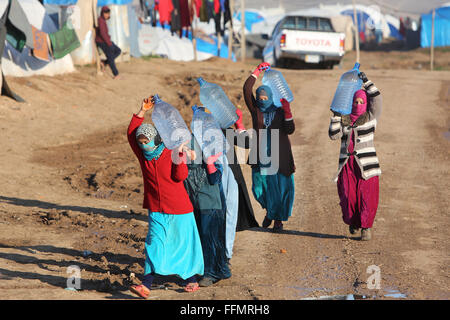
(22, 64)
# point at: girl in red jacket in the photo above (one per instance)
(172, 245)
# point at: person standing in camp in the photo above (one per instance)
(205, 190)
(103, 41)
(172, 245)
(359, 169)
(275, 192)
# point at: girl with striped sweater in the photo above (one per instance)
(359, 169)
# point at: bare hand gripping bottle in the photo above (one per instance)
(213, 97)
(170, 124)
(280, 89)
(208, 133)
(348, 85)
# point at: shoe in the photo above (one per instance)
(141, 291)
(278, 227)
(353, 230)
(366, 234)
(206, 282)
(267, 222)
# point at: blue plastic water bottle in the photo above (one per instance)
(170, 124)
(208, 133)
(280, 89)
(214, 98)
(348, 85)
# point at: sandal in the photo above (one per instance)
(140, 290)
(191, 287)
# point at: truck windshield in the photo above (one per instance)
(307, 23)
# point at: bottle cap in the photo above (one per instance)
(201, 81)
(156, 98)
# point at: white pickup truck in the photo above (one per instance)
(304, 39)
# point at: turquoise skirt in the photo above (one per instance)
(275, 193)
(173, 246)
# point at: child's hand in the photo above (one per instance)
(147, 103)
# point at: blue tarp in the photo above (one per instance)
(204, 46)
(251, 17)
(361, 16)
(108, 2)
(395, 33)
(441, 28)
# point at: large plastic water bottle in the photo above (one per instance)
(348, 85)
(280, 89)
(214, 98)
(169, 123)
(208, 133)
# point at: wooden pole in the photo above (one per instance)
(432, 41)
(230, 31)
(243, 53)
(356, 31)
(194, 30)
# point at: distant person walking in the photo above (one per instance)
(359, 169)
(103, 41)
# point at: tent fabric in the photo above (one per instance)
(61, 2)
(251, 17)
(441, 28)
(21, 64)
(113, 2)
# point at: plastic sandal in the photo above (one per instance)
(191, 287)
(140, 290)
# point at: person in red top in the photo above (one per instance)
(103, 40)
(172, 245)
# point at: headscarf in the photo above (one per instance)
(105, 9)
(267, 107)
(154, 148)
(358, 109)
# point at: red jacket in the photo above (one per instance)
(164, 190)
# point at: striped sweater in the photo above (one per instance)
(363, 129)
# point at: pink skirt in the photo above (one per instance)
(358, 197)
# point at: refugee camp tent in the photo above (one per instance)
(20, 64)
(441, 28)
(83, 16)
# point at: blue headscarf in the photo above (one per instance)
(267, 107)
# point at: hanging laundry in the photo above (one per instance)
(203, 11)
(185, 14)
(63, 41)
(40, 41)
(198, 5)
(165, 8)
(175, 24)
(18, 28)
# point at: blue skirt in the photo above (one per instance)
(173, 246)
(275, 193)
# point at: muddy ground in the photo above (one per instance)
(71, 191)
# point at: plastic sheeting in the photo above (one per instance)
(22, 64)
(251, 17)
(159, 41)
(441, 28)
(113, 2)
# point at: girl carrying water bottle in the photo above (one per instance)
(359, 169)
(172, 245)
(275, 192)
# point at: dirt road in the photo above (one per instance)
(71, 189)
